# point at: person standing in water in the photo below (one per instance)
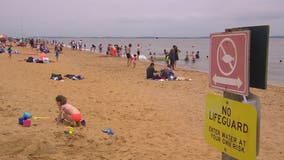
(101, 48)
(186, 56)
(176, 56)
(167, 57)
(193, 56)
(172, 56)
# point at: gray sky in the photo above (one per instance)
(136, 18)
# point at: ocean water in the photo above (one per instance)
(276, 51)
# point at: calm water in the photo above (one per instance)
(276, 51)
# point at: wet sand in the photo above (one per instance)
(150, 119)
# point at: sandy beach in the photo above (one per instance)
(151, 120)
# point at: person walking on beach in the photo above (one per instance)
(10, 51)
(128, 54)
(57, 51)
(133, 60)
(138, 51)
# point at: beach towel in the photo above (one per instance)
(74, 77)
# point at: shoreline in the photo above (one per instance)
(275, 84)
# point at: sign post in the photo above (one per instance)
(230, 126)
(232, 122)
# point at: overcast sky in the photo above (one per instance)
(136, 18)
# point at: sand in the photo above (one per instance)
(151, 120)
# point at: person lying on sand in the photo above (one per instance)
(67, 113)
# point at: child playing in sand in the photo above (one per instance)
(67, 112)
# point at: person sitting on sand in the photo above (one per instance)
(150, 72)
(67, 112)
(167, 73)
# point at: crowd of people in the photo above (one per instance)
(71, 114)
(193, 56)
(112, 50)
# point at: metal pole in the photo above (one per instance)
(236, 98)
(227, 157)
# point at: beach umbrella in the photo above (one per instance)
(3, 37)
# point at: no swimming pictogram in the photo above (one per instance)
(227, 55)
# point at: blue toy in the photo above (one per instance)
(108, 131)
(27, 115)
(21, 120)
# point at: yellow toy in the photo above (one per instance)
(68, 130)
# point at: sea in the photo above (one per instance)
(157, 46)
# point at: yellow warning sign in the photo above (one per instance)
(230, 126)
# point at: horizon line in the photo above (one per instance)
(157, 37)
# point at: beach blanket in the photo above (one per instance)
(74, 77)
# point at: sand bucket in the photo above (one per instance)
(27, 115)
(27, 123)
(21, 119)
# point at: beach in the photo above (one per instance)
(153, 45)
(151, 120)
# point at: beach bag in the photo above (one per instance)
(30, 60)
